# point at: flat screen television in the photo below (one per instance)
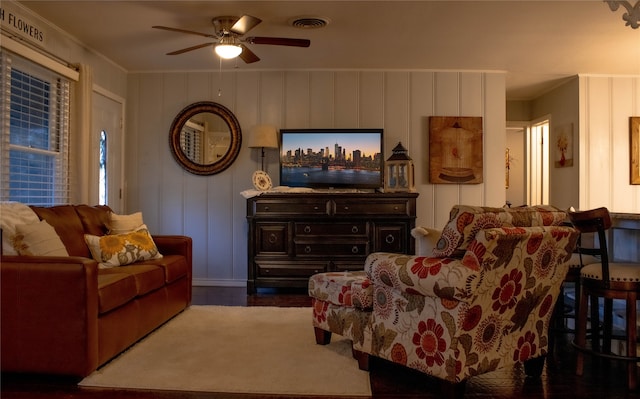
(332, 158)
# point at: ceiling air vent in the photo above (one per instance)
(309, 22)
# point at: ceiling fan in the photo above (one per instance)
(230, 41)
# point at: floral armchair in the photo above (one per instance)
(482, 302)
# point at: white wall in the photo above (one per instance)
(212, 211)
(561, 106)
(606, 103)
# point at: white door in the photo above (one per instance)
(107, 150)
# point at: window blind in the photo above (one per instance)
(35, 133)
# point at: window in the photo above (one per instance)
(34, 140)
(102, 162)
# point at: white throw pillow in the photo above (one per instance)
(12, 214)
(119, 224)
(38, 239)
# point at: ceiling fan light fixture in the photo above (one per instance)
(228, 51)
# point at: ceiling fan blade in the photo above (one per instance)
(184, 31)
(278, 41)
(247, 55)
(184, 50)
(245, 24)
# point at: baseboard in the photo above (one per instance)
(206, 282)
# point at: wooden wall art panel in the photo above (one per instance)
(455, 149)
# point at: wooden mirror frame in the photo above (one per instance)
(234, 145)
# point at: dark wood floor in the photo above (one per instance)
(387, 380)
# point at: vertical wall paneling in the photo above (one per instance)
(421, 108)
(147, 145)
(346, 109)
(606, 103)
(396, 111)
(495, 139)
(599, 150)
(211, 209)
(297, 99)
(249, 113)
(195, 194)
(621, 109)
(471, 88)
(447, 103)
(321, 99)
(175, 97)
(371, 107)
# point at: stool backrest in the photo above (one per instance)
(594, 221)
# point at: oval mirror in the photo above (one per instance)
(205, 138)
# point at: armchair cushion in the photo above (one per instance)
(465, 221)
(350, 289)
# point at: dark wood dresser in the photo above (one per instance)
(295, 235)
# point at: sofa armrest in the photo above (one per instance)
(426, 276)
(174, 245)
(49, 314)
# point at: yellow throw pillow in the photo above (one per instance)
(38, 239)
(119, 224)
(122, 249)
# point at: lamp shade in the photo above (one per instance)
(228, 51)
(263, 136)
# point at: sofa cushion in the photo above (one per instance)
(94, 218)
(350, 289)
(114, 290)
(174, 266)
(38, 239)
(67, 223)
(119, 224)
(465, 221)
(147, 277)
(122, 249)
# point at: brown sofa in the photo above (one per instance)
(64, 315)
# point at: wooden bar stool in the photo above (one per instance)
(609, 281)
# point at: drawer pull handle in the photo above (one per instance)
(307, 249)
(346, 208)
(395, 208)
(316, 271)
(307, 229)
(354, 249)
(266, 208)
(315, 208)
(389, 239)
(354, 229)
(273, 238)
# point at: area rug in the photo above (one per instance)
(233, 349)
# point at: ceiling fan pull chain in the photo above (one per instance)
(220, 79)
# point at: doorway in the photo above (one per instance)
(527, 163)
(107, 150)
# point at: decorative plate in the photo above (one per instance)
(261, 180)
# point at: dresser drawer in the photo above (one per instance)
(307, 207)
(331, 249)
(331, 229)
(289, 269)
(391, 207)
